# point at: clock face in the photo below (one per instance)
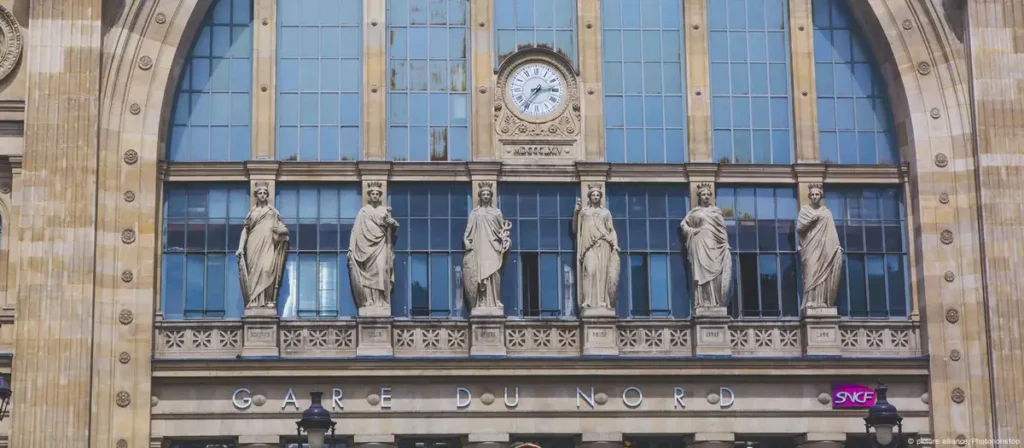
(536, 89)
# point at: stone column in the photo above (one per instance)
(601, 440)
(264, 71)
(698, 86)
(805, 98)
(373, 441)
(481, 33)
(260, 325)
(591, 92)
(374, 79)
(477, 440)
(52, 374)
(821, 440)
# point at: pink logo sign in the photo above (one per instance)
(852, 396)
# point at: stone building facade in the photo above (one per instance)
(132, 132)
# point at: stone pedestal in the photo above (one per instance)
(711, 326)
(821, 332)
(488, 335)
(600, 336)
(260, 328)
(374, 336)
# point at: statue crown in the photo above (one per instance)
(375, 185)
(815, 187)
(485, 185)
(703, 187)
(594, 187)
(261, 185)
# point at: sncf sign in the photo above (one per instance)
(852, 396)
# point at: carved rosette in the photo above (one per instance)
(552, 135)
(10, 42)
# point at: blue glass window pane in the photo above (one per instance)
(212, 109)
(748, 48)
(319, 79)
(849, 88)
(537, 23)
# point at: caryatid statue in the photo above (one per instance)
(371, 256)
(261, 252)
(821, 257)
(598, 261)
(707, 244)
(486, 242)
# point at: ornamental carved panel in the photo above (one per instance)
(537, 107)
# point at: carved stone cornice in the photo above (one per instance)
(489, 169)
(642, 172)
(702, 171)
(809, 172)
(867, 174)
(262, 169)
(593, 171)
(774, 174)
(318, 171)
(205, 171)
(538, 173)
(429, 171)
(374, 169)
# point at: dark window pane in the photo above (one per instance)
(419, 303)
(769, 272)
(766, 231)
(530, 284)
(747, 236)
(897, 286)
(876, 286)
(328, 237)
(307, 236)
(439, 289)
(549, 285)
(749, 282)
(790, 282)
(893, 238)
(638, 285)
(873, 238)
(856, 278)
(175, 239)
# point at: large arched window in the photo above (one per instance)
(213, 107)
(854, 117)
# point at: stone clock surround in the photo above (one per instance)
(923, 65)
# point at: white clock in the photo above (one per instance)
(536, 89)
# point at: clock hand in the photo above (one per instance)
(529, 101)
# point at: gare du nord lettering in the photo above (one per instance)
(632, 397)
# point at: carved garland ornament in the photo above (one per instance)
(131, 157)
(124, 358)
(123, 399)
(563, 124)
(127, 236)
(944, 198)
(125, 317)
(941, 160)
(122, 443)
(10, 42)
(952, 316)
(129, 196)
(949, 276)
(127, 276)
(954, 355)
(957, 395)
(946, 236)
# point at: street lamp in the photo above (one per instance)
(316, 421)
(5, 397)
(883, 416)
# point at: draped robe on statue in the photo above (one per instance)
(599, 261)
(265, 248)
(707, 244)
(370, 257)
(821, 256)
(482, 262)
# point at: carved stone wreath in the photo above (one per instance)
(954, 355)
(957, 395)
(145, 62)
(563, 124)
(949, 276)
(129, 196)
(127, 236)
(124, 358)
(941, 160)
(127, 276)
(946, 236)
(135, 108)
(122, 443)
(11, 42)
(131, 157)
(924, 67)
(944, 198)
(952, 315)
(123, 399)
(125, 316)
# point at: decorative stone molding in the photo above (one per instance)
(5, 188)
(935, 113)
(373, 399)
(924, 67)
(538, 151)
(949, 276)
(879, 338)
(957, 395)
(192, 339)
(542, 338)
(128, 236)
(670, 338)
(601, 398)
(127, 276)
(318, 339)
(124, 358)
(952, 316)
(944, 198)
(824, 398)
(941, 160)
(954, 355)
(961, 440)
(125, 316)
(123, 399)
(135, 109)
(153, 401)
(122, 443)
(129, 196)
(907, 24)
(926, 398)
(487, 398)
(131, 157)
(12, 42)
(259, 399)
(765, 339)
(946, 236)
(432, 338)
(161, 18)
